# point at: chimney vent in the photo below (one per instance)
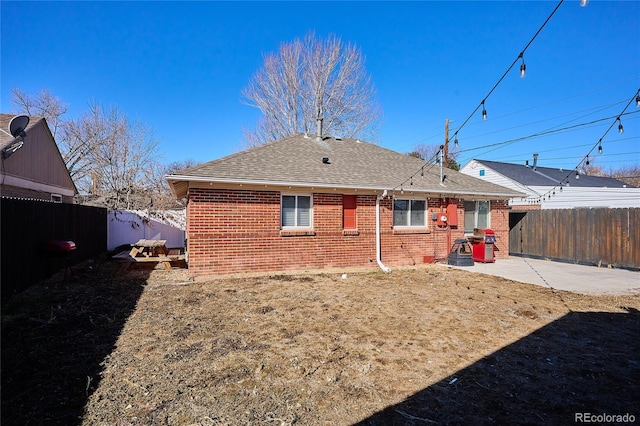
(319, 129)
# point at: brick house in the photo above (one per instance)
(306, 202)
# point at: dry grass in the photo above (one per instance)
(413, 347)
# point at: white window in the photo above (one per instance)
(476, 215)
(296, 211)
(409, 212)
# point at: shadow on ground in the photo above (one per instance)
(585, 362)
(55, 336)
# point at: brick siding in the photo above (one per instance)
(231, 231)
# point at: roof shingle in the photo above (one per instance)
(546, 176)
(352, 163)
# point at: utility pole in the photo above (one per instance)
(446, 142)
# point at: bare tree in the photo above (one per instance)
(123, 159)
(310, 79)
(628, 174)
(431, 153)
(42, 105)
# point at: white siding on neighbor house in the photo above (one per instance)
(480, 171)
(129, 226)
(580, 197)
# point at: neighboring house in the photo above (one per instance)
(549, 188)
(305, 202)
(36, 169)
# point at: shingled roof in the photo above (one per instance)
(546, 176)
(5, 137)
(297, 161)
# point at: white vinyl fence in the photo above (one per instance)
(129, 226)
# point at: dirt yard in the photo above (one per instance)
(417, 346)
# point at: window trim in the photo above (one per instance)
(424, 226)
(296, 227)
(475, 215)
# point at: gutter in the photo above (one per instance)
(378, 249)
(323, 185)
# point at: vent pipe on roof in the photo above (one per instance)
(535, 161)
(319, 125)
(319, 129)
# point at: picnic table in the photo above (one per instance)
(151, 251)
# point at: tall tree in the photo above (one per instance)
(111, 159)
(310, 79)
(44, 104)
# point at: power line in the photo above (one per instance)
(585, 159)
(522, 70)
(545, 133)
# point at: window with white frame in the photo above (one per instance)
(476, 215)
(409, 212)
(296, 211)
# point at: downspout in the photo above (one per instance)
(378, 250)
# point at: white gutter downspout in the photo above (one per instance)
(378, 250)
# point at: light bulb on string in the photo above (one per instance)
(600, 149)
(484, 112)
(422, 171)
(455, 141)
(620, 128)
(584, 3)
(587, 161)
(523, 66)
(638, 101)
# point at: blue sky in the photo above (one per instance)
(179, 67)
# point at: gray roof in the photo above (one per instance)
(546, 176)
(354, 164)
(5, 136)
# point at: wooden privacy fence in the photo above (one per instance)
(26, 226)
(606, 237)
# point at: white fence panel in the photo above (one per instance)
(129, 226)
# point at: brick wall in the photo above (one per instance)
(233, 231)
(500, 225)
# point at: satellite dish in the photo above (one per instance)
(17, 125)
(16, 128)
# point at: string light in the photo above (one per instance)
(598, 144)
(523, 66)
(638, 101)
(522, 70)
(584, 3)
